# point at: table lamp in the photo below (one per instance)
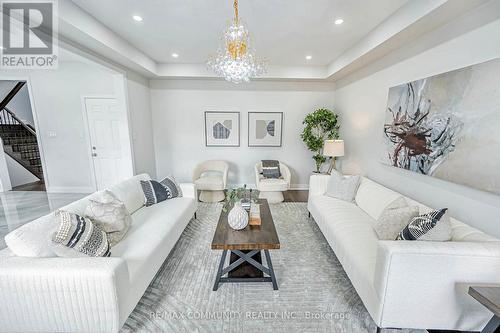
(333, 148)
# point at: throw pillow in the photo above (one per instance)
(173, 188)
(422, 227)
(154, 192)
(271, 169)
(80, 234)
(342, 187)
(394, 218)
(109, 214)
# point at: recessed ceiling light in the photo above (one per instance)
(175, 55)
(339, 21)
(137, 18)
(309, 57)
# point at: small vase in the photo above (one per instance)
(237, 217)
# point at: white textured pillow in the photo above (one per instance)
(109, 214)
(394, 218)
(342, 187)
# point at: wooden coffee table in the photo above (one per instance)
(245, 247)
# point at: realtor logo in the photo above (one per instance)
(29, 39)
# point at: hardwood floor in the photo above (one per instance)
(296, 195)
(35, 186)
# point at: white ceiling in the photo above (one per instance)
(283, 31)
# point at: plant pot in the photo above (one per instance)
(237, 217)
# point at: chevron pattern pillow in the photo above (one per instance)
(423, 226)
(173, 188)
(155, 192)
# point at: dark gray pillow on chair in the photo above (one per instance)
(271, 169)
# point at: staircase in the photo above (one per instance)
(19, 142)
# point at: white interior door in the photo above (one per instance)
(108, 148)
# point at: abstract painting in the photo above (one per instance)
(265, 129)
(222, 129)
(448, 126)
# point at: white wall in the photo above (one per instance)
(62, 133)
(362, 100)
(17, 173)
(141, 124)
(179, 130)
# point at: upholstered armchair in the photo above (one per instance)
(272, 188)
(210, 177)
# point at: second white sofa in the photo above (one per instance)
(44, 293)
(406, 284)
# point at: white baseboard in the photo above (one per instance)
(70, 189)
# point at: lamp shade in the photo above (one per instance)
(333, 148)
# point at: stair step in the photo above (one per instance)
(24, 147)
(13, 141)
(34, 161)
(30, 155)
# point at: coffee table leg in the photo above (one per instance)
(219, 271)
(271, 270)
(492, 326)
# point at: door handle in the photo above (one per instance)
(94, 154)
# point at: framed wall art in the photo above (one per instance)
(265, 129)
(222, 129)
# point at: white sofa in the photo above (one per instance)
(406, 284)
(52, 294)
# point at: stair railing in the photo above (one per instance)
(8, 117)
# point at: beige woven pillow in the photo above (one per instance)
(394, 218)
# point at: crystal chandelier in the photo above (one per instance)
(235, 60)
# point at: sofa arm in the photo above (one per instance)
(62, 294)
(188, 190)
(424, 284)
(318, 184)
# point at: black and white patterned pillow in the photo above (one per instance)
(421, 225)
(154, 192)
(81, 235)
(172, 187)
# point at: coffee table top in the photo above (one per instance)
(487, 296)
(263, 237)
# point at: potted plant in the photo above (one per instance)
(320, 125)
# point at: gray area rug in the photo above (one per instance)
(315, 294)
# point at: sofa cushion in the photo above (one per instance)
(153, 233)
(373, 198)
(130, 192)
(33, 239)
(350, 233)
